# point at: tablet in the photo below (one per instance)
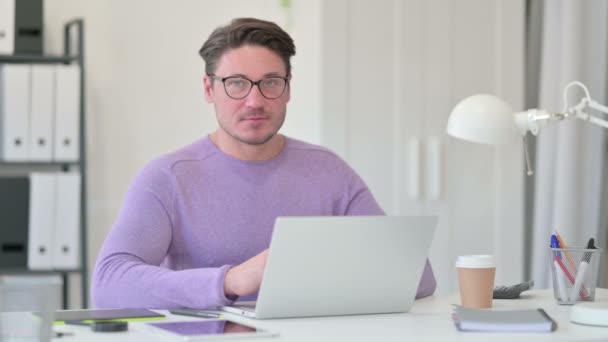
(206, 330)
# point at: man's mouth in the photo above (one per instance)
(255, 118)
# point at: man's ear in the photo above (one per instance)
(208, 88)
(289, 88)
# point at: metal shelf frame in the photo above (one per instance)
(72, 53)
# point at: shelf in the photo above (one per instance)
(6, 271)
(35, 163)
(73, 53)
(37, 59)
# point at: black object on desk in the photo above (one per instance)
(58, 334)
(512, 292)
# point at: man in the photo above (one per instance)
(196, 223)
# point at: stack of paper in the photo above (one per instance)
(530, 320)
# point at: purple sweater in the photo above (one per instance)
(192, 214)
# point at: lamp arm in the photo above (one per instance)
(534, 119)
(600, 108)
(584, 101)
(579, 112)
(592, 119)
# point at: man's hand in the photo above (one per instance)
(246, 278)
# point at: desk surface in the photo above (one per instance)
(429, 320)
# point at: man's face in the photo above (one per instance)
(253, 120)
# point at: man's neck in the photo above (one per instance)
(243, 151)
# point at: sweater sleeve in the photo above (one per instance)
(362, 202)
(128, 272)
(427, 284)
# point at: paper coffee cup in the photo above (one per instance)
(476, 280)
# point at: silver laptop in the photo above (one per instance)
(341, 265)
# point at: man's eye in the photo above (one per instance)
(272, 82)
(236, 83)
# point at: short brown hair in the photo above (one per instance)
(247, 31)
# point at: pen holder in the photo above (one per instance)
(574, 272)
(40, 294)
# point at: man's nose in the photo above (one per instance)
(255, 99)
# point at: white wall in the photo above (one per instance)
(143, 87)
(389, 88)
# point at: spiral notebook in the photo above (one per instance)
(528, 320)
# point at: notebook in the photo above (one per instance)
(106, 314)
(341, 265)
(528, 320)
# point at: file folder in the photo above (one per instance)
(41, 114)
(28, 26)
(14, 111)
(21, 27)
(67, 113)
(7, 27)
(66, 246)
(41, 221)
(13, 222)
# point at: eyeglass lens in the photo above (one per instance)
(239, 87)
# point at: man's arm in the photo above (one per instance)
(246, 278)
(128, 272)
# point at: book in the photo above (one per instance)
(528, 320)
(106, 315)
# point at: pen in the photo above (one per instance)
(558, 258)
(561, 285)
(196, 313)
(560, 269)
(563, 267)
(580, 275)
(555, 245)
(591, 244)
(576, 289)
(563, 245)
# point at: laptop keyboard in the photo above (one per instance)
(244, 306)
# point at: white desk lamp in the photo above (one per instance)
(487, 119)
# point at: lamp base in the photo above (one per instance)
(595, 314)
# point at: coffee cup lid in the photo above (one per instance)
(476, 261)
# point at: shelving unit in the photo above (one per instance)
(73, 32)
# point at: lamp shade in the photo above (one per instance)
(485, 119)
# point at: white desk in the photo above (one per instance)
(429, 320)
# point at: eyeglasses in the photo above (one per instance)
(238, 87)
